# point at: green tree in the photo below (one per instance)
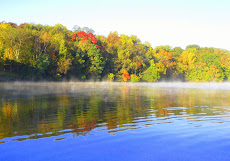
(42, 64)
(151, 74)
(96, 65)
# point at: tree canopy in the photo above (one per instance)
(37, 52)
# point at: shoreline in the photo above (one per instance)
(197, 85)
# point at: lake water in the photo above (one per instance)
(115, 121)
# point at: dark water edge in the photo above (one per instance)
(114, 121)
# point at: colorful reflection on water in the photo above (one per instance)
(113, 117)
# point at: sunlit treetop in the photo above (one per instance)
(84, 36)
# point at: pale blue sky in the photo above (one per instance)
(160, 22)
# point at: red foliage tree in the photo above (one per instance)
(84, 36)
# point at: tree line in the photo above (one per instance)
(42, 52)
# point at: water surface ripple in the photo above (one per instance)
(114, 121)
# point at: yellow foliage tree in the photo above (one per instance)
(186, 62)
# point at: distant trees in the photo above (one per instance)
(52, 52)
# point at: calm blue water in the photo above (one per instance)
(114, 121)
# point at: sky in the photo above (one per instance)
(160, 22)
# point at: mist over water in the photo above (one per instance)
(115, 121)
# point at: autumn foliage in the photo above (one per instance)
(34, 52)
(84, 36)
(125, 75)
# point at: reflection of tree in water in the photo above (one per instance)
(9, 115)
(112, 108)
(82, 128)
(196, 101)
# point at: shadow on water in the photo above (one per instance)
(33, 111)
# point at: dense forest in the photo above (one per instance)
(37, 52)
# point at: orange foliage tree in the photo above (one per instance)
(125, 75)
(165, 64)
